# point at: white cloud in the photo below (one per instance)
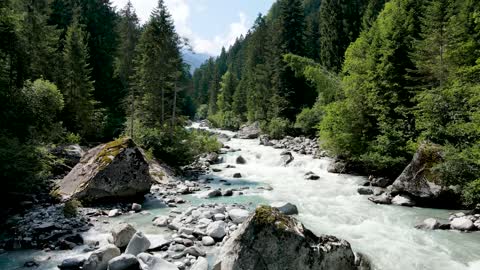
(214, 46)
(181, 12)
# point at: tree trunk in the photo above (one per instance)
(174, 110)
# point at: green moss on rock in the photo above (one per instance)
(266, 215)
(111, 150)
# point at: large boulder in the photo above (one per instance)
(113, 171)
(238, 215)
(249, 131)
(122, 234)
(124, 262)
(286, 158)
(260, 243)
(422, 183)
(462, 224)
(99, 259)
(217, 229)
(285, 208)
(200, 264)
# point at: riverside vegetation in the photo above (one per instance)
(370, 83)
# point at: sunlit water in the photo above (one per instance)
(331, 205)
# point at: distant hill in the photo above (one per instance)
(195, 60)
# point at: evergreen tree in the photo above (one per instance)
(129, 32)
(77, 85)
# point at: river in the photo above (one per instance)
(331, 205)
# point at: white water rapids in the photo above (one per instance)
(331, 205)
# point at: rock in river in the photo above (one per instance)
(122, 234)
(150, 262)
(99, 259)
(261, 244)
(114, 171)
(249, 131)
(238, 215)
(285, 208)
(138, 244)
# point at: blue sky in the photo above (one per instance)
(208, 24)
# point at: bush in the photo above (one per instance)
(70, 209)
(202, 112)
(278, 128)
(225, 120)
(179, 148)
(471, 193)
(308, 119)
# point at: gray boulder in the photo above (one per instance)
(122, 234)
(382, 182)
(265, 140)
(238, 215)
(429, 224)
(287, 158)
(109, 172)
(208, 241)
(420, 181)
(211, 193)
(365, 191)
(237, 175)
(261, 244)
(71, 264)
(337, 167)
(138, 244)
(249, 131)
(200, 264)
(150, 262)
(462, 224)
(217, 229)
(99, 259)
(381, 199)
(285, 208)
(124, 262)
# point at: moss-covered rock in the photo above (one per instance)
(110, 172)
(270, 240)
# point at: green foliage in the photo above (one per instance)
(179, 149)
(308, 119)
(225, 120)
(471, 193)
(278, 128)
(70, 208)
(202, 112)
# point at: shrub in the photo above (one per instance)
(471, 193)
(202, 112)
(308, 119)
(278, 128)
(226, 120)
(70, 209)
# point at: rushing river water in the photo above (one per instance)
(331, 205)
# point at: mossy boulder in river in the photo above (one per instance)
(270, 240)
(110, 172)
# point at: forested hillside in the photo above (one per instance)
(372, 80)
(81, 72)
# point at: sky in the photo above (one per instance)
(208, 24)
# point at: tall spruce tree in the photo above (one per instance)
(77, 83)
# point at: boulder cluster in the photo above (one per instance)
(460, 221)
(301, 145)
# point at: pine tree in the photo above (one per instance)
(77, 83)
(129, 32)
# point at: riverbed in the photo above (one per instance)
(330, 205)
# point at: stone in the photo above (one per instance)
(462, 224)
(208, 241)
(217, 229)
(195, 251)
(122, 234)
(311, 176)
(249, 131)
(382, 182)
(114, 213)
(240, 160)
(286, 158)
(99, 259)
(136, 207)
(72, 263)
(337, 167)
(381, 199)
(121, 162)
(238, 215)
(429, 224)
(138, 244)
(124, 262)
(285, 208)
(200, 264)
(219, 217)
(365, 191)
(211, 193)
(403, 200)
(160, 222)
(227, 193)
(419, 180)
(185, 230)
(150, 262)
(260, 243)
(237, 175)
